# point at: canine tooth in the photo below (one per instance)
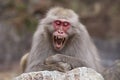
(55, 37)
(62, 39)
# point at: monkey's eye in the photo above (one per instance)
(65, 24)
(57, 22)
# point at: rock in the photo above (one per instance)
(82, 73)
(113, 73)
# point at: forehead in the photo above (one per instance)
(62, 14)
(62, 20)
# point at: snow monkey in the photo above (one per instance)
(61, 42)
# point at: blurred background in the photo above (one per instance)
(19, 19)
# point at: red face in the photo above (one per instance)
(60, 35)
(63, 25)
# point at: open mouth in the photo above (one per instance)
(59, 41)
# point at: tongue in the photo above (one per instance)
(58, 45)
(59, 41)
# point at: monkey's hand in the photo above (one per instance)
(62, 66)
(64, 59)
(56, 62)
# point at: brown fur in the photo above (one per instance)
(23, 62)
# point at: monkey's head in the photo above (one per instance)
(60, 23)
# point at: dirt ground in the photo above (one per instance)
(10, 73)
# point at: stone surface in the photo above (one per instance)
(75, 74)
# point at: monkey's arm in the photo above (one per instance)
(41, 67)
(56, 62)
(38, 67)
(34, 66)
(74, 62)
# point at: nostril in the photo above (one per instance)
(61, 32)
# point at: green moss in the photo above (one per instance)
(31, 24)
(115, 9)
(21, 7)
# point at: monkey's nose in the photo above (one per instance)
(60, 32)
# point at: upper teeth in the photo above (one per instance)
(59, 37)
